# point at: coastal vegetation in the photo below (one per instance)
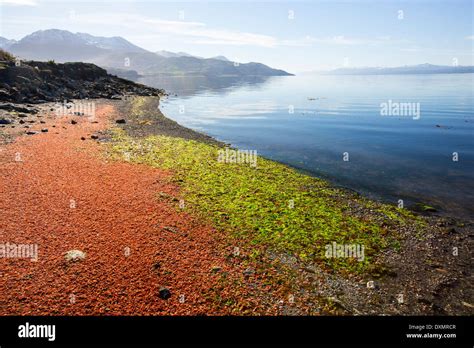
(269, 205)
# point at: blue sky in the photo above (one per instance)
(292, 35)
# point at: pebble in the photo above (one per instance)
(248, 272)
(215, 269)
(75, 255)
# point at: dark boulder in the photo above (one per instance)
(164, 293)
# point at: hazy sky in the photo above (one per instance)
(292, 35)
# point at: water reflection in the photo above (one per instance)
(185, 86)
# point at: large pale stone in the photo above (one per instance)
(75, 255)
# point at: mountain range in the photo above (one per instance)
(168, 54)
(123, 58)
(405, 70)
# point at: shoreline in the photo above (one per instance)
(427, 207)
(409, 258)
(393, 272)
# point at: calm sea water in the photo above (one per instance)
(310, 121)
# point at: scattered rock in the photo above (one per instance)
(39, 82)
(73, 122)
(215, 269)
(425, 301)
(31, 133)
(94, 136)
(82, 138)
(44, 130)
(164, 293)
(12, 107)
(170, 229)
(340, 305)
(120, 121)
(75, 255)
(5, 121)
(451, 230)
(372, 285)
(248, 272)
(164, 195)
(467, 304)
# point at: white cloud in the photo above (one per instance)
(334, 40)
(470, 37)
(203, 34)
(196, 32)
(225, 37)
(191, 32)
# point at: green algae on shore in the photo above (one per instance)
(270, 205)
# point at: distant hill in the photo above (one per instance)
(5, 43)
(168, 54)
(111, 43)
(404, 70)
(221, 58)
(58, 45)
(120, 55)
